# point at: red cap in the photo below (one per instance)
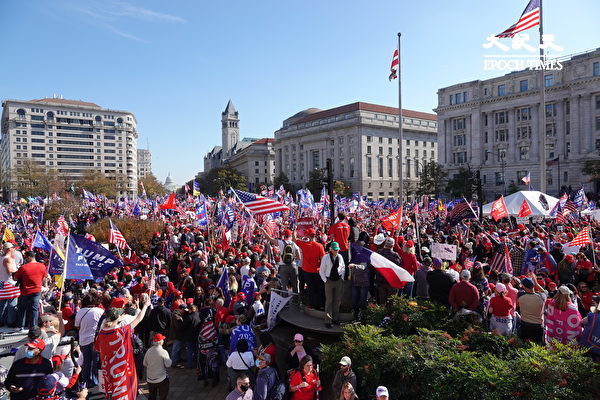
(310, 232)
(163, 271)
(37, 344)
(410, 243)
(158, 337)
(552, 285)
(287, 233)
(189, 301)
(58, 359)
(118, 302)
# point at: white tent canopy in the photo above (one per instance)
(541, 204)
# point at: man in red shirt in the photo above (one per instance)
(464, 294)
(312, 251)
(340, 232)
(30, 275)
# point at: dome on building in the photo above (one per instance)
(170, 184)
(299, 115)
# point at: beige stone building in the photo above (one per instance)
(493, 125)
(252, 157)
(71, 136)
(144, 163)
(362, 141)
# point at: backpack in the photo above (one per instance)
(288, 254)
(277, 390)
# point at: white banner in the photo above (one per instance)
(522, 220)
(444, 251)
(277, 303)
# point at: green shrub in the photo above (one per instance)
(434, 365)
(405, 316)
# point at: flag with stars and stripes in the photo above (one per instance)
(529, 19)
(116, 237)
(460, 210)
(501, 261)
(394, 66)
(259, 204)
(582, 238)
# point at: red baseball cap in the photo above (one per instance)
(158, 337)
(310, 232)
(37, 344)
(287, 233)
(118, 302)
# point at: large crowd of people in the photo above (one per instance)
(185, 303)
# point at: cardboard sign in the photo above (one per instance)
(444, 251)
(303, 224)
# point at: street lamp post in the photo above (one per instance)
(503, 164)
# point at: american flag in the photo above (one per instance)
(271, 226)
(394, 66)
(143, 189)
(8, 291)
(461, 210)
(526, 179)
(63, 227)
(116, 237)
(569, 207)
(501, 261)
(469, 262)
(529, 19)
(259, 204)
(582, 238)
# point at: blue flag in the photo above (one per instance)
(223, 284)
(56, 264)
(201, 214)
(99, 260)
(248, 288)
(41, 242)
(76, 266)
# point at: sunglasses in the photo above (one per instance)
(298, 341)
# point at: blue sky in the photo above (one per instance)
(175, 64)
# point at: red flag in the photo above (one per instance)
(525, 210)
(499, 209)
(393, 220)
(117, 364)
(170, 203)
(582, 238)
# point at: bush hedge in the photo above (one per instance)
(434, 365)
(137, 232)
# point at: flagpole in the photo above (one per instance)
(400, 130)
(64, 272)
(542, 128)
(558, 175)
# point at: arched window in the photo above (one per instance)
(21, 113)
(119, 120)
(98, 118)
(50, 115)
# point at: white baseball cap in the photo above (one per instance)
(382, 391)
(379, 239)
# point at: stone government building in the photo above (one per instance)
(493, 125)
(362, 141)
(360, 138)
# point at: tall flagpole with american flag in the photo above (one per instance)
(532, 16)
(396, 74)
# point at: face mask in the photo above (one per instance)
(244, 388)
(29, 354)
(257, 363)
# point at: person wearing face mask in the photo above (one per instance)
(242, 389)
(343, 375)
(268, 386)
(26, 374)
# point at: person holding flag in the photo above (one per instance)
(114, 344)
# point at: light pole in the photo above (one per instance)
(503, 164)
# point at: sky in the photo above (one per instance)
(176, 63)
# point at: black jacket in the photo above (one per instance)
(440, 284)
(160, 319)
